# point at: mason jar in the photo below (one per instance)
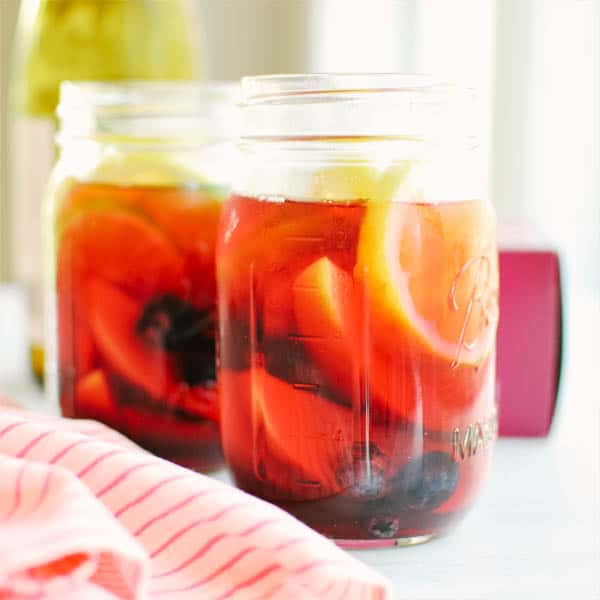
(131, 225)
(357, 291)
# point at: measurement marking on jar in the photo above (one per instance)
(312, 484)
(305, 238)
(308, 387)
(304, 287)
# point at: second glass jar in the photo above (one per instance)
(358, 281)
(132, 221)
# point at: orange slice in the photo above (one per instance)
(113, 315)
(391, 333)
(123, 249)
(187, 219)
(430, 275)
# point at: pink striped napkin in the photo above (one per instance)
(86, 514)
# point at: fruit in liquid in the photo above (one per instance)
(356, 359)
(135, 308)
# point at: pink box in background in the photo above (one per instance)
(529, 335)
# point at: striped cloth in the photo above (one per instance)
(86, 514)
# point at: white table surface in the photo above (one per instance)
(535, 531)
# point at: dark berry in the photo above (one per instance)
(170, 323)
(425, 483)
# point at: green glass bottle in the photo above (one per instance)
(58, 40)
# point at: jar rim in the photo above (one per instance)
(149, 109)
(405, 106)
(149, 93)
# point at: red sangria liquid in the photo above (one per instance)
(356, 360)
(135, 308)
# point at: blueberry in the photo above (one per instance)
(170, 323)
(384, 526)
(426, 482)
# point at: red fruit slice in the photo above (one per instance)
(296, 444)
(123, 249)
(468, 445)
(337, 336)
(113, 315)
(324, 300)
(190, 219)
(257, 265)
(198, 401)
(311, 435)
(94, 398)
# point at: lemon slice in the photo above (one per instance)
(356, 182)
(144, 169)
